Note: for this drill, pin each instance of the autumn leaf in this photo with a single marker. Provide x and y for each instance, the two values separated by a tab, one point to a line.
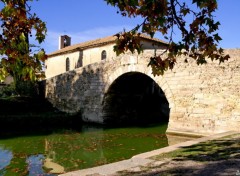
17	24
199	35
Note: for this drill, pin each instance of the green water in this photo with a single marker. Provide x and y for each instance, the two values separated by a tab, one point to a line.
79	149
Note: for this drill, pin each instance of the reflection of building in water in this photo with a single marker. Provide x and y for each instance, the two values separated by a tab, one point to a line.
51	156
96	145
75	151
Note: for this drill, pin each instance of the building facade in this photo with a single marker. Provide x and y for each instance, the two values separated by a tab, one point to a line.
70	57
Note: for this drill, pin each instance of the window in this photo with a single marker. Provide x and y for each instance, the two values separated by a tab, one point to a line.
67	64
80	60
104	55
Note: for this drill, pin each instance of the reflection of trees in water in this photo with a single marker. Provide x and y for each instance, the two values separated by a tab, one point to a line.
17	165
22	156
92	146
20	163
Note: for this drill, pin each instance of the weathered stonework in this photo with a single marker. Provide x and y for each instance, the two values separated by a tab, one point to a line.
202	98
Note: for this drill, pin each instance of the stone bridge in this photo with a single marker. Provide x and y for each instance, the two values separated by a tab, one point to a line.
194	98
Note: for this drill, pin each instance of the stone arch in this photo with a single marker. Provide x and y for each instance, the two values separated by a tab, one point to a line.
135	98
142	68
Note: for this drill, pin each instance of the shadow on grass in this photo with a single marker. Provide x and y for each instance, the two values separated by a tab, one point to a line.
217	157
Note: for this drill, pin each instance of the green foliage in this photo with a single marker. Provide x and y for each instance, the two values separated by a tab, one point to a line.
199	37
27	88
7	91
17	24
23	88
127	41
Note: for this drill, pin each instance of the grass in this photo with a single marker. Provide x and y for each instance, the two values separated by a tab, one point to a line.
206	158
215	150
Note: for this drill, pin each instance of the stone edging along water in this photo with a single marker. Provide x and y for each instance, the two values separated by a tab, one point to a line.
141	159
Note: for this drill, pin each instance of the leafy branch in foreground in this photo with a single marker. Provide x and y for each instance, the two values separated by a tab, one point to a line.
17	57
199	35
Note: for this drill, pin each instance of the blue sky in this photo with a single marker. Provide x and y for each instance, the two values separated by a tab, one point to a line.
84	20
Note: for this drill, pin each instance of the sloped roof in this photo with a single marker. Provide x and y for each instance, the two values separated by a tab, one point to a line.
96	43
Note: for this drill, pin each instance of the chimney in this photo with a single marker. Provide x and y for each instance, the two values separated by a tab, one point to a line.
64	41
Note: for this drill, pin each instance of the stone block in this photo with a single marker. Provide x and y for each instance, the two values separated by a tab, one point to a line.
128	59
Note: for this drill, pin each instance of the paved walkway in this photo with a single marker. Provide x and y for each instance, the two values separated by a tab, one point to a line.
135	165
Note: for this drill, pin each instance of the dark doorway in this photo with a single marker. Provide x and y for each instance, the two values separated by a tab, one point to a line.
135	98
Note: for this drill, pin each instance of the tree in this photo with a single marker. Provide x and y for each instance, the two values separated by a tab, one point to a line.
17	57
199	35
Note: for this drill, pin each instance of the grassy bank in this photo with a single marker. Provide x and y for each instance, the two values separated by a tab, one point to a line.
25	113
213	157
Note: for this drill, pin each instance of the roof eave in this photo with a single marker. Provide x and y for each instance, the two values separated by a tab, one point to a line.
152	40
79	49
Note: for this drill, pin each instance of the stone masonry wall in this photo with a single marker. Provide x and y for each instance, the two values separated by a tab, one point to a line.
206	97
203	98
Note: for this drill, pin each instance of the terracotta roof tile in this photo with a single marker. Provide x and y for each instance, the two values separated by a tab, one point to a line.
96	43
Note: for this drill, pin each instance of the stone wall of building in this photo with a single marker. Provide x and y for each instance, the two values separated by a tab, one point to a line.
206	97
57	65
202	99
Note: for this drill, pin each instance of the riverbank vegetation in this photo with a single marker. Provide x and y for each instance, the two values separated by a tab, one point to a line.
26	113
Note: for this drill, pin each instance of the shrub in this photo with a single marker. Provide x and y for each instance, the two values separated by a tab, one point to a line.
8	90
26	88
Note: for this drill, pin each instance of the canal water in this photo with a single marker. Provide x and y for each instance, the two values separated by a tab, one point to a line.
69	150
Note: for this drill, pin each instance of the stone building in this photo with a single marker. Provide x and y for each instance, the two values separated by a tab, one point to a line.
70	57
